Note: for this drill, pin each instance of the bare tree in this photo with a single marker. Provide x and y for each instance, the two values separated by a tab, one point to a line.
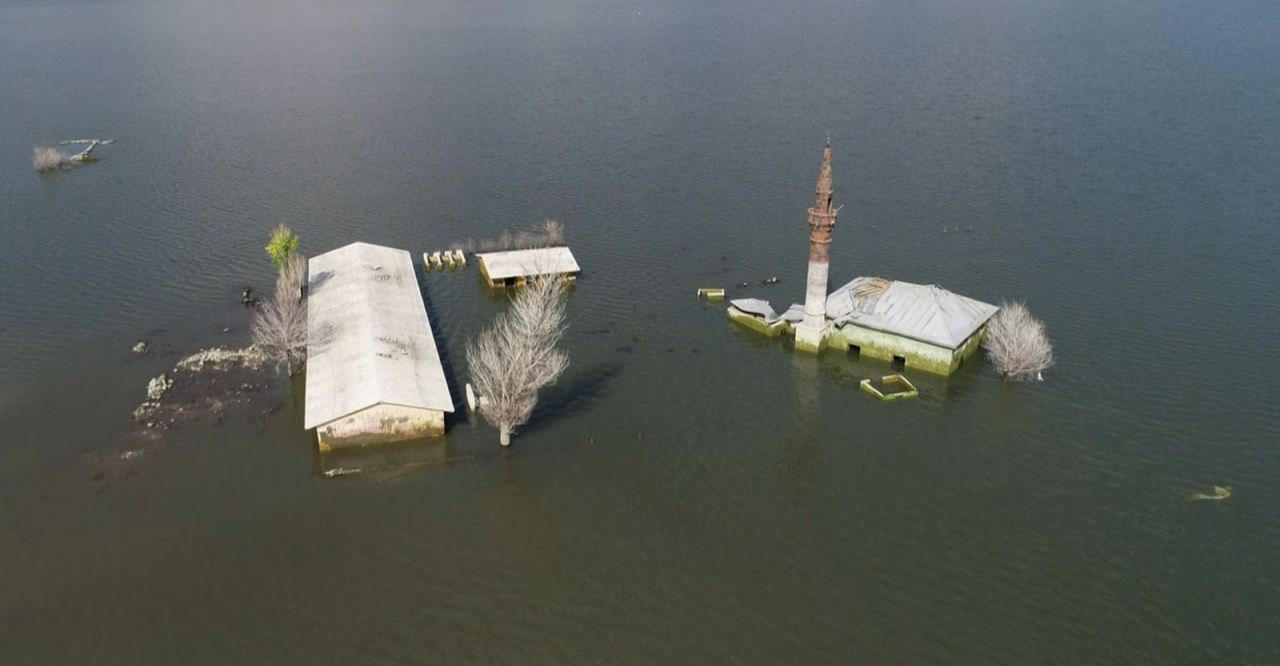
1016	343
516	356
548	234
279	327
553	231
45	159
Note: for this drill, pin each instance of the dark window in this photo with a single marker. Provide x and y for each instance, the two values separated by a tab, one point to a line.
899	363
854	351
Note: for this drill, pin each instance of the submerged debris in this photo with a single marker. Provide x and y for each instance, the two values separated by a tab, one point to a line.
48	159
140	347
1219	493
157	387
711	294
220	358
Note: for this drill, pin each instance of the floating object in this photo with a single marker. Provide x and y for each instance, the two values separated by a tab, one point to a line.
744	285
434	261
514	267
770	280
460	258
447	258
890	387
711	295
474	401
1219	493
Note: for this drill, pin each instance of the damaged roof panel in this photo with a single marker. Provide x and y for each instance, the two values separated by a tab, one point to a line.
927	313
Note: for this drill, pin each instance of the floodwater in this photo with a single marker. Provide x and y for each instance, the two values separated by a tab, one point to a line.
689	492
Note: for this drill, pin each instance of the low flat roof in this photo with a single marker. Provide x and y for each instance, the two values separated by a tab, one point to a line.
927	313
528	263
369	340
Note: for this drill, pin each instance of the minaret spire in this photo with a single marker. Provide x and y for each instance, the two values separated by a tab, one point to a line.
822	221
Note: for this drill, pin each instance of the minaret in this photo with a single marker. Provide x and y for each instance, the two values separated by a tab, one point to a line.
822	220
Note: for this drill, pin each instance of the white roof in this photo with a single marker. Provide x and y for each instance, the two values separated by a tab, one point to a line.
368	337
927	313
757	307
526	263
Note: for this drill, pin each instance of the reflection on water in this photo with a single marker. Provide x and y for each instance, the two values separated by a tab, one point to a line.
384	462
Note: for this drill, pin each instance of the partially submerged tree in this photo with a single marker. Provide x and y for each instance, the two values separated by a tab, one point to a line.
46	159
282	246
1016	343
279	327
516	356
548	234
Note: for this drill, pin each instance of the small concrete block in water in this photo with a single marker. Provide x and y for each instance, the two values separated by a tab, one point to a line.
711	295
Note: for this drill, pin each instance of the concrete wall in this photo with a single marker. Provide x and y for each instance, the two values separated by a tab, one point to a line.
379	424
757	324
884	346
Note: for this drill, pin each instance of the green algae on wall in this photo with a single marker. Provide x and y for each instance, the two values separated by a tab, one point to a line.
757	324
917	355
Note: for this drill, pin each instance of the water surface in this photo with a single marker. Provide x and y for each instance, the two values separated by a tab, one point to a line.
688	493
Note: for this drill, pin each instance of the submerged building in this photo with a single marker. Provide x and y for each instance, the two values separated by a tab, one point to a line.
923	327
373	371
514	267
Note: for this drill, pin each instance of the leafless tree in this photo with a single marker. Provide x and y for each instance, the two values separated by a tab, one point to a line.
279	327
516	356
553	231
548	234
1016	343
45	159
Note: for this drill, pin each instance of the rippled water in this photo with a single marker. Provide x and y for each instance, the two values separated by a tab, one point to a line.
688	493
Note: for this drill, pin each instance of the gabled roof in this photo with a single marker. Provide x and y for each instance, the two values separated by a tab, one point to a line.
927	313
368	337
528	263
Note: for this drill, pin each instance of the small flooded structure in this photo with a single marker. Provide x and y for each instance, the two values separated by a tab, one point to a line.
922	327
890	387
373	371
758	315
513	267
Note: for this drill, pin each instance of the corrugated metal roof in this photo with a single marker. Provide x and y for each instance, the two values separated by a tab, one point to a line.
527	263
927	313
368	337
757	307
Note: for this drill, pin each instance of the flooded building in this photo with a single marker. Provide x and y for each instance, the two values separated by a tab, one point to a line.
920	327
373	371
513	267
